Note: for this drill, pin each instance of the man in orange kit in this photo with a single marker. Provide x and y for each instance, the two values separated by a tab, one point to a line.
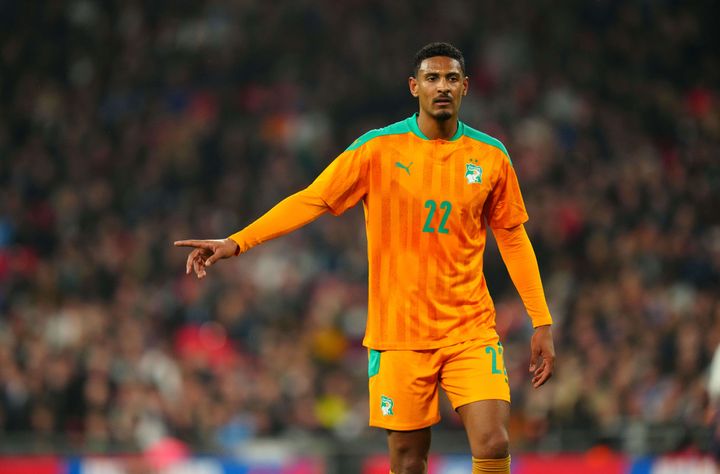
430	186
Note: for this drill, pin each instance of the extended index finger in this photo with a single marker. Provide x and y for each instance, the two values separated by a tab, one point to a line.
200	244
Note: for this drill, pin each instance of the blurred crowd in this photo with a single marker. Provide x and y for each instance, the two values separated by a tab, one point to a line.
125	125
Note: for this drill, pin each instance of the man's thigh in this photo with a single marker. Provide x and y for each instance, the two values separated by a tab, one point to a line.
403	388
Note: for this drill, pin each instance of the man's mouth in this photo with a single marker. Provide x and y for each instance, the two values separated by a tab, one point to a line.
442	101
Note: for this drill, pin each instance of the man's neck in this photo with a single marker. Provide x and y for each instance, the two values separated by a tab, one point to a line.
437	129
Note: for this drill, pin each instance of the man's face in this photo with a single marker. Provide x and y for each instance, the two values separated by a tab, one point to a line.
439	86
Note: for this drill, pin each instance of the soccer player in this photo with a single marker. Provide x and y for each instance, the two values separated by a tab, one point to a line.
430	185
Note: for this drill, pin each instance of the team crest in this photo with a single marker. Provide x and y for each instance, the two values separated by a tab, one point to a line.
473	173
386	405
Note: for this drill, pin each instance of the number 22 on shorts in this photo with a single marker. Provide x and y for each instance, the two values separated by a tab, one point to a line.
494	353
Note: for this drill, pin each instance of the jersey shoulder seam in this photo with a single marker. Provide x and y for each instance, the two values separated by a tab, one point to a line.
397	128
477	135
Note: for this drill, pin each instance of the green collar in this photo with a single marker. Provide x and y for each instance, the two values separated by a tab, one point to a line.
412	124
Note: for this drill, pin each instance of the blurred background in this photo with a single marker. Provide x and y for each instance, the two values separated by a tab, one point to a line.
125	125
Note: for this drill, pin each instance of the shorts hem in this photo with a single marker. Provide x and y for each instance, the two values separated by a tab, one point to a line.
480	400
404	427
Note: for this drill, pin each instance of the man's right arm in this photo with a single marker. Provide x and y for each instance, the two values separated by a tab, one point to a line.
289	214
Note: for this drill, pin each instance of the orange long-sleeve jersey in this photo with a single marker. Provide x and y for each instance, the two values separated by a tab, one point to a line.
427	204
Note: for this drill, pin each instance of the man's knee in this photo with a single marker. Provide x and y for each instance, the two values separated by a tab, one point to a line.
491	444
408	458
408	455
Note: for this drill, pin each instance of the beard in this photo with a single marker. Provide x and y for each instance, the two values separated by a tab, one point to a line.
442	115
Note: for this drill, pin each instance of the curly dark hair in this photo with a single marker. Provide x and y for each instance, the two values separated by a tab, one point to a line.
438	49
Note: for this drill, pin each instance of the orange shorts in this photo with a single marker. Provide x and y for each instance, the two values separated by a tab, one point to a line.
404	384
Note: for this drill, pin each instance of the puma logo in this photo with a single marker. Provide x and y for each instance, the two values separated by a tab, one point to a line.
406	168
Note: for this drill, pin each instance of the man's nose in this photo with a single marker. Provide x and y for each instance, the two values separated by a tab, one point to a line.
443	85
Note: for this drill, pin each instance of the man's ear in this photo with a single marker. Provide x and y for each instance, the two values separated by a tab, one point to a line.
413	84
466	85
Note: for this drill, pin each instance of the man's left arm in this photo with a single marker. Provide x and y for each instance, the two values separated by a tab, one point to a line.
519	257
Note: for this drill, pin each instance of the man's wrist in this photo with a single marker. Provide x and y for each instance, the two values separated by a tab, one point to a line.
236	250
